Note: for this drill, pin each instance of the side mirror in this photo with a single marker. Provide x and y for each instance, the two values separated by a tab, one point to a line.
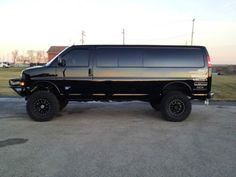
61	62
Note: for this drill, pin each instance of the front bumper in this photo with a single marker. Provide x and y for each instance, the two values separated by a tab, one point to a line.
18	86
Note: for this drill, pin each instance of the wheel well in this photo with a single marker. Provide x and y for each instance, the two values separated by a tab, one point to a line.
46	86
179	86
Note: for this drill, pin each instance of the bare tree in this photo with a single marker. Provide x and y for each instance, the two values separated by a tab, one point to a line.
30	54
45	57
23	59
40	56
15	54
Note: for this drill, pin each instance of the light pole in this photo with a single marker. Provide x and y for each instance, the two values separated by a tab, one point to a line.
123	32
192	31
82	37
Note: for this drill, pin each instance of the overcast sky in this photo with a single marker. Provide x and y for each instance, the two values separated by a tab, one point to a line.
38	24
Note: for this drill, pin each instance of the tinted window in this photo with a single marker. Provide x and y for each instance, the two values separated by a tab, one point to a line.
119	57
173	57
107	57
53	62
129	57
77	57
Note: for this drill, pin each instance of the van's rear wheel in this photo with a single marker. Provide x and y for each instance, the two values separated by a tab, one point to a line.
175	106
42	106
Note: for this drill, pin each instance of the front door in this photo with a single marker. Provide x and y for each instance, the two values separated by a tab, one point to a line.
75	75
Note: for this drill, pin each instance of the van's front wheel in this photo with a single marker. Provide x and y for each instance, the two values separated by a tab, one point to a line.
175	106
155	105
42	106
63	103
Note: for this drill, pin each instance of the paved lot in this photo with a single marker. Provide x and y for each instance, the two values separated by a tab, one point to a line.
117	139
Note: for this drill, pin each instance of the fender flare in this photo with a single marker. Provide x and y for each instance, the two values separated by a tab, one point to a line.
36	85
177	83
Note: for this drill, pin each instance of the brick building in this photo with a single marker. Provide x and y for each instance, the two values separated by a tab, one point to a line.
54	50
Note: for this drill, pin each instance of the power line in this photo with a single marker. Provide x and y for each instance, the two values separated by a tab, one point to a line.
158	39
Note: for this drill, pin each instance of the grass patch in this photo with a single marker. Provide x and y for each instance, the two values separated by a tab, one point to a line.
224	86
5	75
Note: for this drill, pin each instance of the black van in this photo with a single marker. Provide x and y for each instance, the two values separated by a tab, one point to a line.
167	77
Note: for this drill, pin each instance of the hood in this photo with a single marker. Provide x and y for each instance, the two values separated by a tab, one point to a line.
39	71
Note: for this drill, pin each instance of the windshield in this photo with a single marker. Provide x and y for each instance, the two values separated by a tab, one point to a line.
52	60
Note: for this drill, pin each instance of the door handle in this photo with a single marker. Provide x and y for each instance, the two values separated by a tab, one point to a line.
90	72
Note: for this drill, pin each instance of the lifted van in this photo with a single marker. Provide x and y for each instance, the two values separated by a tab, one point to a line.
167	77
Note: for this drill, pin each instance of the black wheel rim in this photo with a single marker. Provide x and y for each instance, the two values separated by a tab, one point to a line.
42	106
176	107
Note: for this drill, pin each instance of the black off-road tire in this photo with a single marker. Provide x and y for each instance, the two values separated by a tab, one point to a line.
175	106
155	105
42	106
63	103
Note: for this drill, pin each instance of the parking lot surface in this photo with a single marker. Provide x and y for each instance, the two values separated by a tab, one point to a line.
117	139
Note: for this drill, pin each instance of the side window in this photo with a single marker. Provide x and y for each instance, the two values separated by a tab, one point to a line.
150	57
77	57
173	57
130	57
119	57
54	63
107	57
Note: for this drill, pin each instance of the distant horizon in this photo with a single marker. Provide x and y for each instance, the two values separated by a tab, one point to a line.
37	25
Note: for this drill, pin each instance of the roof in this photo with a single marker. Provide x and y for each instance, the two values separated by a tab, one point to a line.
184	46
56	49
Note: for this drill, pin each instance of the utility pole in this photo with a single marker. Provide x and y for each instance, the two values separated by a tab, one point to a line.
123	32
82	37
192	31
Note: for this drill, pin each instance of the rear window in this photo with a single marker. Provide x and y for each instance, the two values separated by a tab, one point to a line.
173	57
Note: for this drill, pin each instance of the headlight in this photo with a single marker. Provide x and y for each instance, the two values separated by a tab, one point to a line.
22	83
